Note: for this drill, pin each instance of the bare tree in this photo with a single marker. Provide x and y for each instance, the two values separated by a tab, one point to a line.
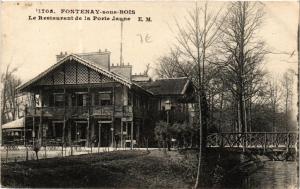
274	97
195	39
9	107
242	54
287	84
168	65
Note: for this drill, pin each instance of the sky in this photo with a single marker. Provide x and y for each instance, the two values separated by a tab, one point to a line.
31	45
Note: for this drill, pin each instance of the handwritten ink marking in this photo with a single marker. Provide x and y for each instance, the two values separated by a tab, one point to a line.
148	38
145	38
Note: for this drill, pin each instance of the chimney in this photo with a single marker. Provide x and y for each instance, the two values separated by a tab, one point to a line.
60	56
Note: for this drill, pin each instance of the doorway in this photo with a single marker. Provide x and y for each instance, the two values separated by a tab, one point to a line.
103	132
57	130
79	134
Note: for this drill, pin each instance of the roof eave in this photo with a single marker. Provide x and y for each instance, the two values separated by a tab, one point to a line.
111	75
185	87
140	87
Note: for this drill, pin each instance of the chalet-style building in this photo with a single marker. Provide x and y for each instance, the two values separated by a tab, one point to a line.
83	99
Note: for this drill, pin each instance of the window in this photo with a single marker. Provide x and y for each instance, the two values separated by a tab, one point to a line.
105	98
57	129
59	99
37	100
82	99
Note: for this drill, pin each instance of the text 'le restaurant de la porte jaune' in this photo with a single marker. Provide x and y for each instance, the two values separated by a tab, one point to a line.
86	14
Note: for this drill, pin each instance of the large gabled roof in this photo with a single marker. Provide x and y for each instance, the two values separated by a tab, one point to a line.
169	86
83	61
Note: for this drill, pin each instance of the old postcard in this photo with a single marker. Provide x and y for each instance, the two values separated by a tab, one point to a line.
149	94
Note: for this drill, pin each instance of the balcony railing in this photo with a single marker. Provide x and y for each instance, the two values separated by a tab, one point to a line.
77	111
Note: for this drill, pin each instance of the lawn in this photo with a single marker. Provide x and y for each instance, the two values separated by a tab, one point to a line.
126	169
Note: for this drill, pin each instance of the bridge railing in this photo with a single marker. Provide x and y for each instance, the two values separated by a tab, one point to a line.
253	140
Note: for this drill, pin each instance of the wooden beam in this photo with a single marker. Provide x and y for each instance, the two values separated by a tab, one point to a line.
82	86
76	70
99	136
69	133
92	129
34	103
24	124
33	130
40	133
89	75
121	133
52	78
131	138
113	116
64	123
137	138
64	74
88	132
89	114
104	122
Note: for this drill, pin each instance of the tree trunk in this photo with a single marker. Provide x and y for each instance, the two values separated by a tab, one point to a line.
241	113
200	141
221	112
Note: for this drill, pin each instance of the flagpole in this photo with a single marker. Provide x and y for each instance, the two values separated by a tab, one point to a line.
121	45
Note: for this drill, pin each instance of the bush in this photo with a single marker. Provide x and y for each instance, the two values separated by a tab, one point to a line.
182	132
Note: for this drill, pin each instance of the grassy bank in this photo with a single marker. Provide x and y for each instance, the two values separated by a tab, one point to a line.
136	169
130	169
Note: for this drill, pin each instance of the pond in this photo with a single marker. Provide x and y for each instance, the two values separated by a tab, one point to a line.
274	174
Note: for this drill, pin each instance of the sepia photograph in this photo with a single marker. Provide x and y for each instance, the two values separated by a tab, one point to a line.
149	94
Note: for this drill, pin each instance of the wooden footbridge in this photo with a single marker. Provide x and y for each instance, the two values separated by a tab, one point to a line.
254	140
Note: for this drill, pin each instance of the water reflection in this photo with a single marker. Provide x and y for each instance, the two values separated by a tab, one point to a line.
274	174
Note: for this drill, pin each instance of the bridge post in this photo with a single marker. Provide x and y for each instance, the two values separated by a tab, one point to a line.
222	138
244	141
250	140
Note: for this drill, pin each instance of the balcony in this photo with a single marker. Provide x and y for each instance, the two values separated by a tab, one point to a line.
81	111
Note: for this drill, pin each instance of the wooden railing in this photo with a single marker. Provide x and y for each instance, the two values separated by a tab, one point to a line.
73	111
253	140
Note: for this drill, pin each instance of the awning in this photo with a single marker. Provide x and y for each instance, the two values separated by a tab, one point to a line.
14	124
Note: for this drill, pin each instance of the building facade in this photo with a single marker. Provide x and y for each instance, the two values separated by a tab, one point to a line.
85	100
